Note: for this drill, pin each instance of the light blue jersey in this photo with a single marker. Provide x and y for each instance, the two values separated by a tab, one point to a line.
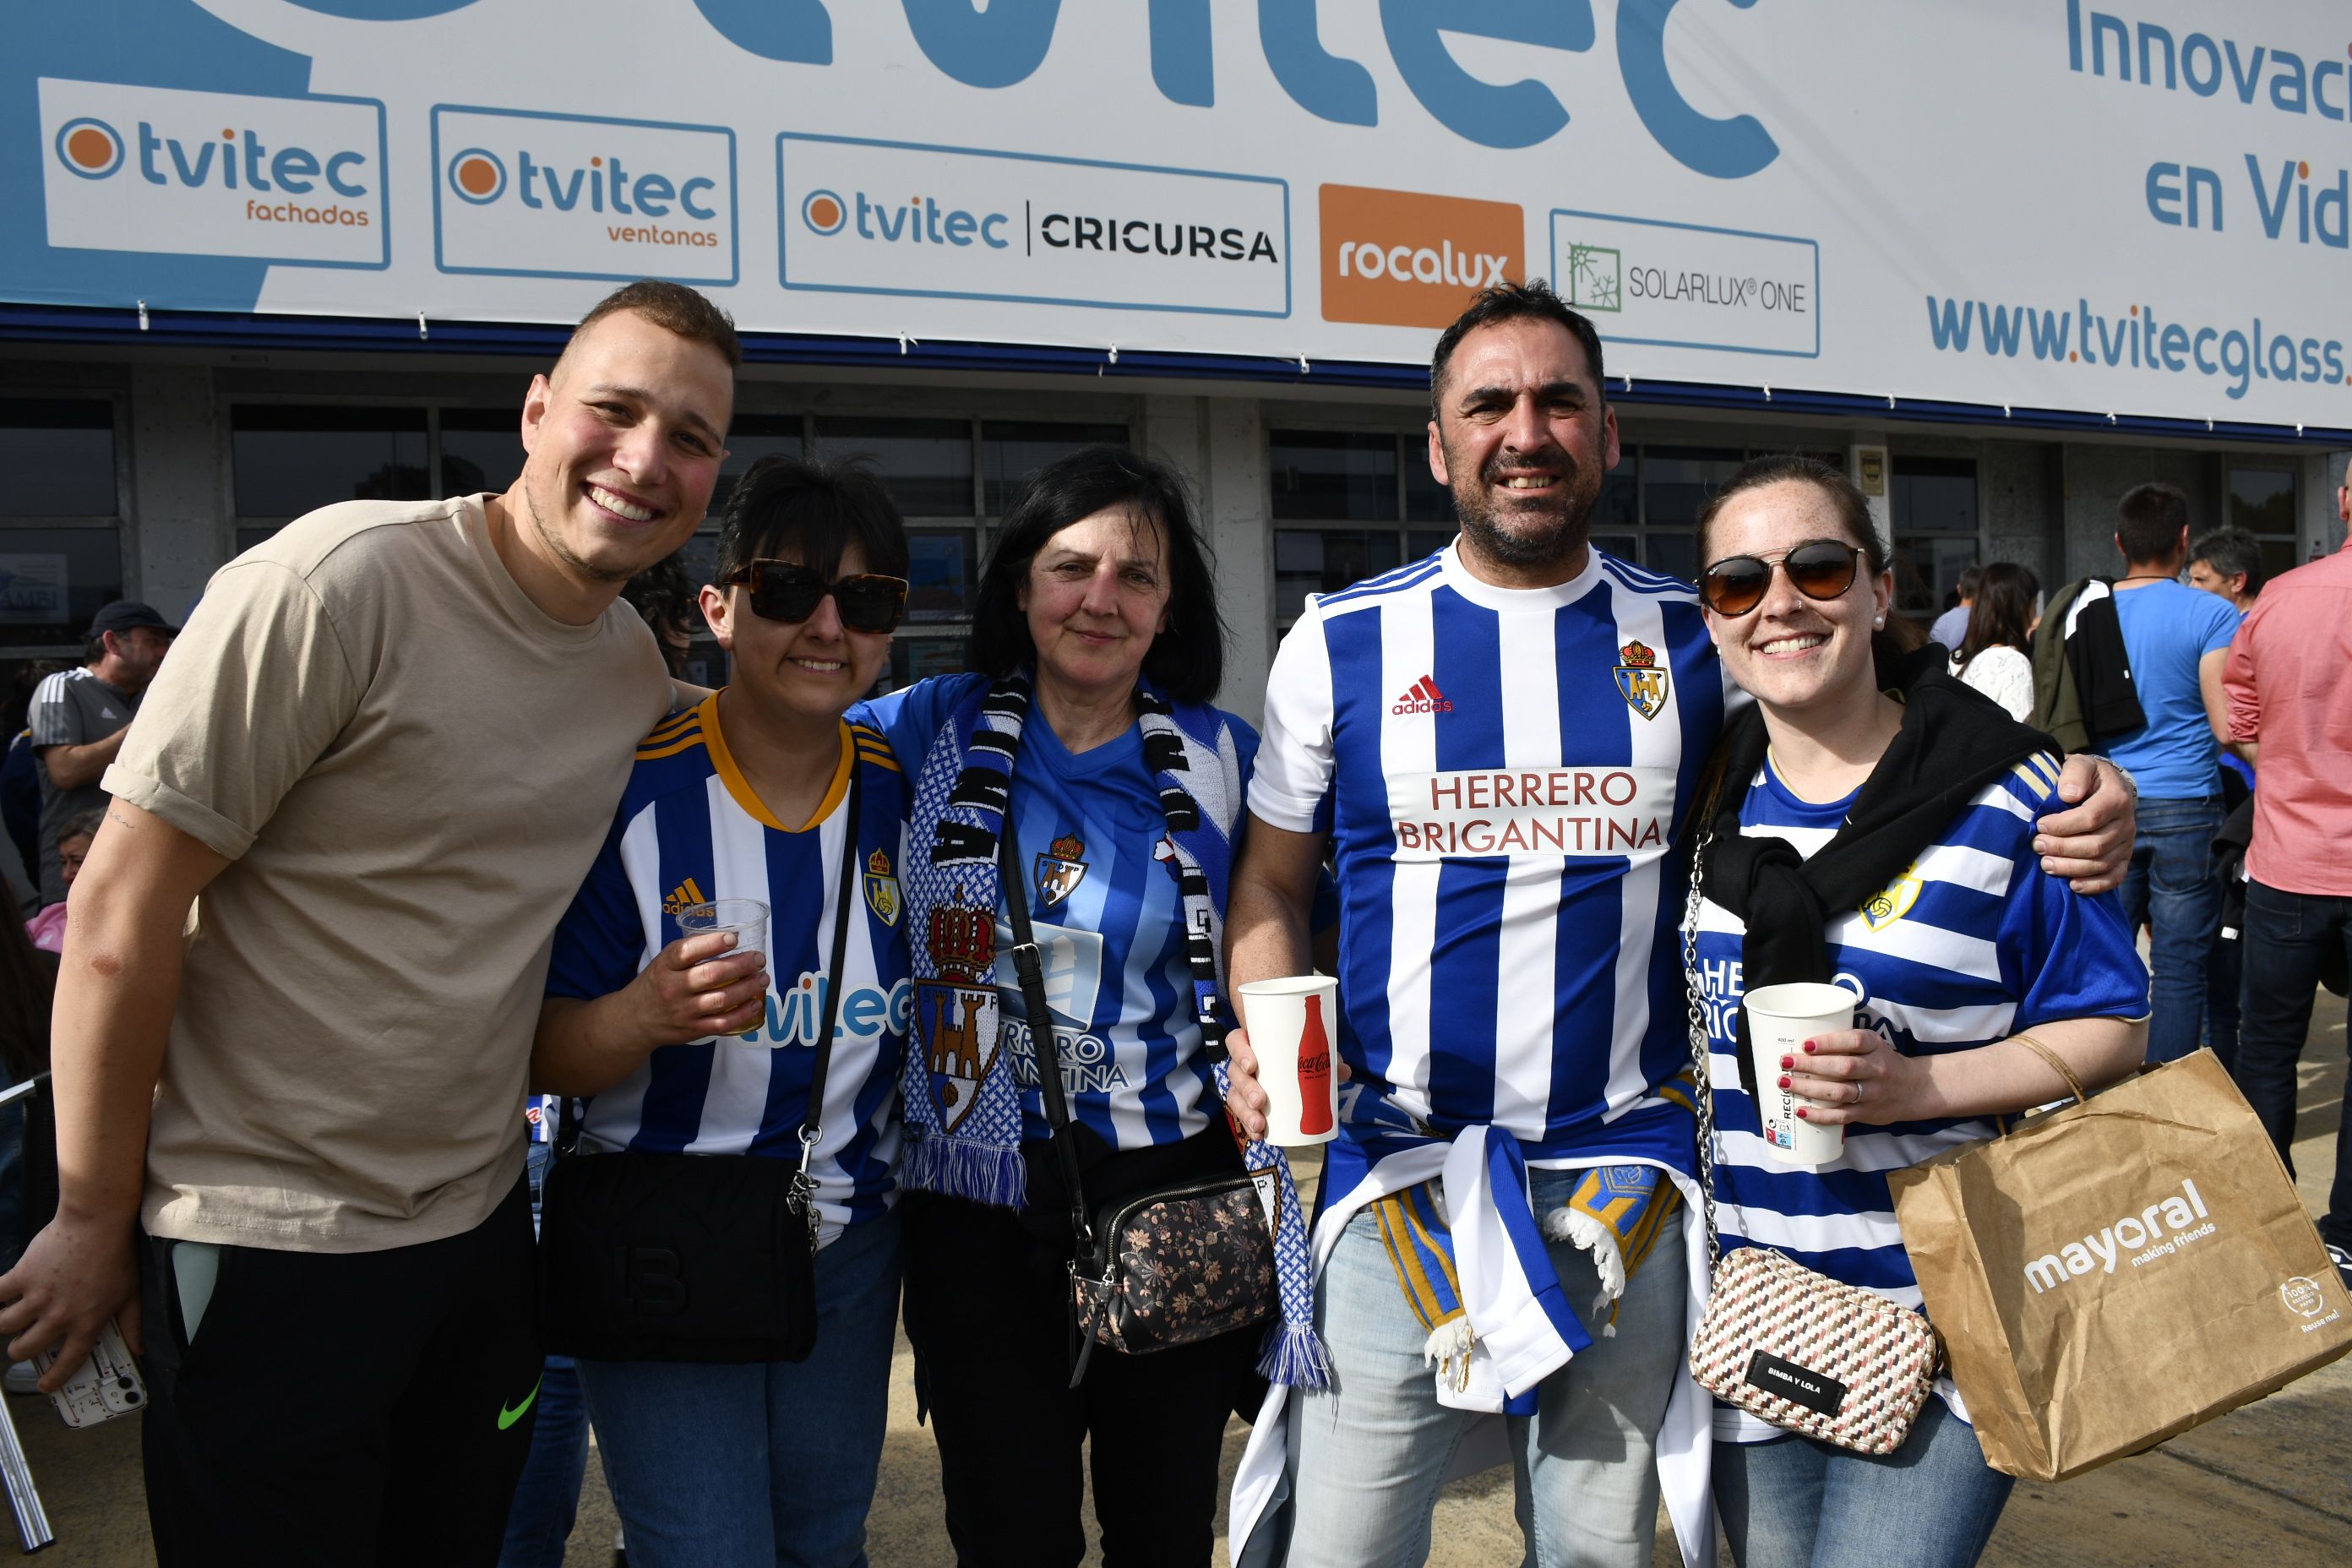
690	830
1971	945
1108	920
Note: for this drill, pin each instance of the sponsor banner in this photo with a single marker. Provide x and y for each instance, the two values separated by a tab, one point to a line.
2155	222
163	170
559	196
1399	259
1682	285
1580	811
885	217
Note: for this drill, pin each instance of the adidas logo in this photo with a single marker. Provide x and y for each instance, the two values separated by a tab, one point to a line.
684	896
1422	697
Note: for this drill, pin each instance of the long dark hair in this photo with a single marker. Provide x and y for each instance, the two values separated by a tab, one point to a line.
2006	594
1187	661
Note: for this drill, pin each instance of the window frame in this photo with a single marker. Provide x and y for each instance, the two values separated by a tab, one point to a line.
126	537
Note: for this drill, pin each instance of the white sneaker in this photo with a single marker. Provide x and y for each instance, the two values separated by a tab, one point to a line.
23	1377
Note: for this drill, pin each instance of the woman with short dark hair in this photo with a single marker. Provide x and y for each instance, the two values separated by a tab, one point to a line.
1086	733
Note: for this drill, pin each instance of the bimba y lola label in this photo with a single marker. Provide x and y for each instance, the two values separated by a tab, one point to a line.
1797	1384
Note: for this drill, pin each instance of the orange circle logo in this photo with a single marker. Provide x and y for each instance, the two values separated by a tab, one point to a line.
90	148
823	212
477	176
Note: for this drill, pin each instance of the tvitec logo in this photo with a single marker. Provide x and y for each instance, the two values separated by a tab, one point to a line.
291	180
957	223
559	196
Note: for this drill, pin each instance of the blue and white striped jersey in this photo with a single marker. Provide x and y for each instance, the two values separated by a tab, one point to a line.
1501	772
689	830
1970	946
1108	920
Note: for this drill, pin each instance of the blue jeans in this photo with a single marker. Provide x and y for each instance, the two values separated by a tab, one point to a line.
760	1462
2286	933
1369	1454
1796	1503
2170	886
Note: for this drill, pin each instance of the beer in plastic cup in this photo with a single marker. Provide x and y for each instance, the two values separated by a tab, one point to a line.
1780	1019
1291	1024
747	918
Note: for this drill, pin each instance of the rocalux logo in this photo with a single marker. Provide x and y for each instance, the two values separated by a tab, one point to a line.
2155	1232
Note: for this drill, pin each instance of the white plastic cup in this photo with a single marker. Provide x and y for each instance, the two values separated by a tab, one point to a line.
1780	1019
1294	1028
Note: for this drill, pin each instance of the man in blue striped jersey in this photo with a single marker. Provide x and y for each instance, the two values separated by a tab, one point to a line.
1499	745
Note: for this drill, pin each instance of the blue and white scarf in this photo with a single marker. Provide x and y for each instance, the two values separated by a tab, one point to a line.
963	1121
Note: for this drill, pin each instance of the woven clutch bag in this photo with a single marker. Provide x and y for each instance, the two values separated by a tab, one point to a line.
1804	1352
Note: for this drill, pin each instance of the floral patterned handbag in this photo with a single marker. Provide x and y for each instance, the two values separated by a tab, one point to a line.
1167	1266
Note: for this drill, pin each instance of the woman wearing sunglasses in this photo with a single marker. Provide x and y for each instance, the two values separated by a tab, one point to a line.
760	792
1871	823
1097	645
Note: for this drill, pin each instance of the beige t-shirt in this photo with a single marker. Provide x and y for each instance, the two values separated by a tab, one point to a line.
410	766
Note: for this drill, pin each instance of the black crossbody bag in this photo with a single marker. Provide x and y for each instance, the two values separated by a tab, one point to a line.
691	1258
1170	1265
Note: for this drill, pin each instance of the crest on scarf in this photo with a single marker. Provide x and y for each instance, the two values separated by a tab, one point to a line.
1059	870
882	889
1883	909
1639	681
957	1011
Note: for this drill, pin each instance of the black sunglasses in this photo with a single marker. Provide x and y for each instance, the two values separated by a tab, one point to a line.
787	591
1821	569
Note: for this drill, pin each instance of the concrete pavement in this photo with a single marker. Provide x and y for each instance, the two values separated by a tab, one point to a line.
2271	1484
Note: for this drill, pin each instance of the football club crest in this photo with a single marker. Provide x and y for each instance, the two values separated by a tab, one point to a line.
1881	909
1059	870
1639	681
959	1021
882	889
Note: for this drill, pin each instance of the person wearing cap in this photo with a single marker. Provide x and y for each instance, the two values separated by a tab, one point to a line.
79	716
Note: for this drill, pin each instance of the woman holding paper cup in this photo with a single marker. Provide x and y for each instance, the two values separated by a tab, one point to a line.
1877	930
729	992
1088	733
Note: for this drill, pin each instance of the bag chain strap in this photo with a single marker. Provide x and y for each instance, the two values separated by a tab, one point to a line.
802	1196
1701	1087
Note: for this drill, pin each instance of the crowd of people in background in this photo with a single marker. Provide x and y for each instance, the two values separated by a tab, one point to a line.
442	958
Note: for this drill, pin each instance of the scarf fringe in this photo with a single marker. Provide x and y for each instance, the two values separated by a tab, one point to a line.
1293	1357
961	1168
1574	1225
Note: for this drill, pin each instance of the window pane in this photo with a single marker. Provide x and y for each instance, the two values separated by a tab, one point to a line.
58	456
925	463
1331	474
751	438
1617	505
1676	480
481	449
294	458
53	580
1425	501
1324	560
1927	569
1010	451
939	574
2262	500
2278	555
1420	544
1936	495
916	659
700	558
1675	553
1624	546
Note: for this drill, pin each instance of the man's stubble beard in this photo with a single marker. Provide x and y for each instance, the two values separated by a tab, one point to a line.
564	554
1525	551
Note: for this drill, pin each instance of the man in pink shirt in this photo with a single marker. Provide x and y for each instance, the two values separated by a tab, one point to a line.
2290	706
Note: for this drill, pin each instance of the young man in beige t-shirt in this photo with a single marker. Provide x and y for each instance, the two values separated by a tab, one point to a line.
384	751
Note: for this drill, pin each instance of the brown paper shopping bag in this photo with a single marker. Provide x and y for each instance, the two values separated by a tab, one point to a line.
2112	1274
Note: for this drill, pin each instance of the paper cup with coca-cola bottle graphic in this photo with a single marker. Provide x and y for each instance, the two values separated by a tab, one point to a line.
1292	1024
